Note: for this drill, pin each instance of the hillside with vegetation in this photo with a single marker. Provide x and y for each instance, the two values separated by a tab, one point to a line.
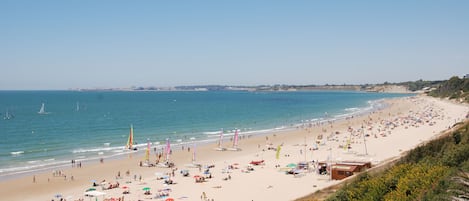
420	84
437	170
454	88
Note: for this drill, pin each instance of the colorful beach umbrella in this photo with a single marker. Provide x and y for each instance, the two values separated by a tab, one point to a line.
291	165
90	189
169	199
146	189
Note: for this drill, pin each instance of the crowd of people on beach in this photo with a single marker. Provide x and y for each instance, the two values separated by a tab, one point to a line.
376	126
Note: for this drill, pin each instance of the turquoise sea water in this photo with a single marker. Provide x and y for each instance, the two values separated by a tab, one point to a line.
89	125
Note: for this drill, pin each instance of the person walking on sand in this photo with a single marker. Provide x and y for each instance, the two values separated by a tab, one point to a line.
34	178
204	196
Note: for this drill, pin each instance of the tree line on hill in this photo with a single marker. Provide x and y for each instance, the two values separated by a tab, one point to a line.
454	88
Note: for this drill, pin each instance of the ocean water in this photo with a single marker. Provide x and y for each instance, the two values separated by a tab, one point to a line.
95	124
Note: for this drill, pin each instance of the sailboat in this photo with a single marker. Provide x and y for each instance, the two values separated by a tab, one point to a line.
147	155
194	164
42	110
220	142
8	116
167	153
78	107
235	143
130	140
168	150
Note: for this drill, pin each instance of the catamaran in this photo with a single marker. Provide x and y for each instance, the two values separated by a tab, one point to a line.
130	140
194	164
42	110
235	143
8	116
220	142
167	153
147	162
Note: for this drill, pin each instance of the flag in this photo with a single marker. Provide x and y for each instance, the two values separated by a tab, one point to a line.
277	155
147	152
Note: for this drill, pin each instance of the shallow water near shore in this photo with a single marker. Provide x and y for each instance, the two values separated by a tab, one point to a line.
91	125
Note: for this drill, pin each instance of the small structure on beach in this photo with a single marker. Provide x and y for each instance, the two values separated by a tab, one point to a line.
345	169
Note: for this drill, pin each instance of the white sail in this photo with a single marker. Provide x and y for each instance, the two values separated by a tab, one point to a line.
220	142
235	142
8	116
42	110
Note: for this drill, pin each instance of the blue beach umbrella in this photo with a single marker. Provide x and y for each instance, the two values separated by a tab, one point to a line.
291	165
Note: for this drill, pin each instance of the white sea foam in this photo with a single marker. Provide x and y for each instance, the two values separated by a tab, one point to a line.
16	153
33	166
212	133
352	109
100	149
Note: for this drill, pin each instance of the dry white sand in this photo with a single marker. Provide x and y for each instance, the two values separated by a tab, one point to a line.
400	127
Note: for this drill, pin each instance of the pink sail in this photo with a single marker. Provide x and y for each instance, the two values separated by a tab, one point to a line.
235	141
168	149
221	138
193	153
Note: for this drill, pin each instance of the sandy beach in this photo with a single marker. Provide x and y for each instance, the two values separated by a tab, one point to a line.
403	125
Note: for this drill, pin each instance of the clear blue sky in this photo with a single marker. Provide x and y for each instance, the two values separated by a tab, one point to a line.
86	44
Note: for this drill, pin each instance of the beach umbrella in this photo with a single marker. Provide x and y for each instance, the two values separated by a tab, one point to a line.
124	187
90	189
58	195
146	189
196	176
169	199
291	165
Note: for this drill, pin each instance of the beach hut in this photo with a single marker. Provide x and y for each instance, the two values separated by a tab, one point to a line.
340	172
345	169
